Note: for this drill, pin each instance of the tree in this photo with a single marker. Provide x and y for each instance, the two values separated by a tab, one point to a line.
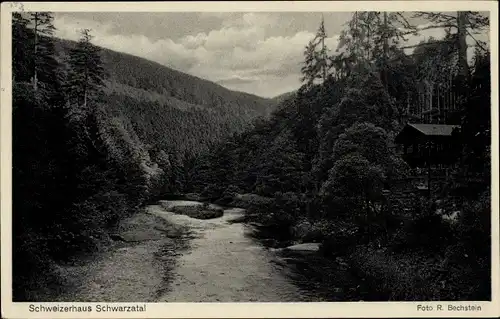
22	63
316	64
372	143
365	100
371	38
365	139
310	68
323	53
34	56
281	167
435	75
464	24
86	74
43	30
476	122
177	176
354	187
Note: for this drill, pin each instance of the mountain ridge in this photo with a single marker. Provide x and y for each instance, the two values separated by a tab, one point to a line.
69	43
169	108
284	96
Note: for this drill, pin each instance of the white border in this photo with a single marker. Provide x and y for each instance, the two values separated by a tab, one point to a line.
240	310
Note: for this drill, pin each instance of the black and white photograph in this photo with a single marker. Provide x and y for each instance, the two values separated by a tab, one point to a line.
320	156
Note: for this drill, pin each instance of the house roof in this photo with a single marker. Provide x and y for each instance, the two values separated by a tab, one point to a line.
434	129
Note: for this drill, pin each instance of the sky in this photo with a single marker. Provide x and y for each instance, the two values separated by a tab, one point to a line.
254	52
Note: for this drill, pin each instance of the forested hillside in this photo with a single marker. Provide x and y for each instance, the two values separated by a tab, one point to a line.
325	167
96	134
164	105
283	97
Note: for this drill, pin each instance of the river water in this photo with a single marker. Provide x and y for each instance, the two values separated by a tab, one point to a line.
168	257
224	264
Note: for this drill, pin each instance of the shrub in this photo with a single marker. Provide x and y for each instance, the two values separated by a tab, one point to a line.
114	207
254	203
340	239
353	185
469	256
426	233
408	277
228	195
312	230
213	191
30	258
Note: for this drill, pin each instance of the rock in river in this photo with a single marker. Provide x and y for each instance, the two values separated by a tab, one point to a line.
306	247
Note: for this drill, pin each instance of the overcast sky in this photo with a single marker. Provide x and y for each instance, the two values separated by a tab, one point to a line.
258	53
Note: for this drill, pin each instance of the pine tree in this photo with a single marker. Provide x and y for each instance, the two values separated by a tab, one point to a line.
353	41
281	168
22	64
34	57
323	52
309	70
86	74
465	24
448	70
43	30
316	63
372	39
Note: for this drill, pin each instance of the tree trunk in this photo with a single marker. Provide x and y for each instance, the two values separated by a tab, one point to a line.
35	75
462	55
429	174
439	103
386	52
431	86
462	45
85	88
453	99
323	51
85	99
422	101
450	88
407	105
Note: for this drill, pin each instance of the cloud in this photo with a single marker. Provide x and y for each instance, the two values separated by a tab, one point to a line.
251	19
259	53
236	80
238	53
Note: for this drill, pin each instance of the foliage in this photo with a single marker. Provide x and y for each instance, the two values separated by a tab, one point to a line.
316	64
282	172
85	78
372	143
22	60
397	277
330	172
198	211
229	194
73	176
354	186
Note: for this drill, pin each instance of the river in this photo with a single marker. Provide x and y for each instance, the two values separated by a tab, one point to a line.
224	264
203	261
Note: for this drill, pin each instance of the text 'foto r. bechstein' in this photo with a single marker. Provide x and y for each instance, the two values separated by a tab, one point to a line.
251	157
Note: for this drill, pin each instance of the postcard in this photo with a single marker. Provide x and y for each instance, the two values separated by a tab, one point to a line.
271	159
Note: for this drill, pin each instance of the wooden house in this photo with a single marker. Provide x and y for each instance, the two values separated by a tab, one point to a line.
429	144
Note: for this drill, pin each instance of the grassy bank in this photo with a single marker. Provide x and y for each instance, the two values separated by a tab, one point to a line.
147	244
